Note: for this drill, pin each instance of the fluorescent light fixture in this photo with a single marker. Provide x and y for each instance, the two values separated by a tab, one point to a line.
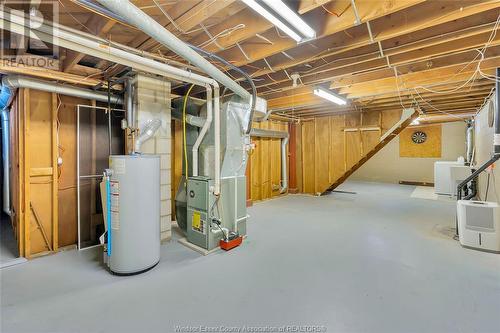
277	22
329	95
416	122
291	17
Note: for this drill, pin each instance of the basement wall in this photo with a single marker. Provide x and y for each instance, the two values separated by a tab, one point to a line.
264	165
327	147
483	152
387	165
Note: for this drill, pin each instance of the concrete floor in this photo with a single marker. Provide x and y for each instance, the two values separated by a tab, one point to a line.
376	261
8	244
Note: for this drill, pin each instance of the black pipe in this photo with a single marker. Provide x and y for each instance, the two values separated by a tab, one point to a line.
473	188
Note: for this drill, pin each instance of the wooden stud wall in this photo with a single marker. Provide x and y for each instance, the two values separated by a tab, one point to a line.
265	163
35	169
331	145
43	128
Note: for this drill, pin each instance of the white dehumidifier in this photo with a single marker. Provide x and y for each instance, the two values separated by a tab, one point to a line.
479	225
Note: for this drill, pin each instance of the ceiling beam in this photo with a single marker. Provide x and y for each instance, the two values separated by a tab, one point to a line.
100	26
471	21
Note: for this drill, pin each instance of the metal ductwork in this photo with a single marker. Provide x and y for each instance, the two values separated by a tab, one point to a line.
256	132
470	142
149	26
18	81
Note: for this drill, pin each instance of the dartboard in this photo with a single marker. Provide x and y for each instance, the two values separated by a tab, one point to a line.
419	137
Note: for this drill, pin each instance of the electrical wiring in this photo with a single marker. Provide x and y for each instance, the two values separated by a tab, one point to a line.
223	33
478	67
330	12
438	110
184	134
173	22
74	18
237	69
397	86
328	52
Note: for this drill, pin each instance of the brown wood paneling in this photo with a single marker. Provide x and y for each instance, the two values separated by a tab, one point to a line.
67	195
353	148
308	158
300	161
337	164
322	132
330	146
370	140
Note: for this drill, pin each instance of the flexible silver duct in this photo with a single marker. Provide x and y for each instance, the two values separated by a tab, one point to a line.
6	161
470	142
18	81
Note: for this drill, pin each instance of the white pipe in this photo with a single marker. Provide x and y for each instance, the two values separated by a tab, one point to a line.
217	139
284	176
149	26
18	81
6	161
203	131
84	43
129	105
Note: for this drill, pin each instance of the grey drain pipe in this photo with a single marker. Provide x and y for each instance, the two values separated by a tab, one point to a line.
256	132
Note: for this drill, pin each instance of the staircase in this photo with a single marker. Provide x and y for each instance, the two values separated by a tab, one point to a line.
406	119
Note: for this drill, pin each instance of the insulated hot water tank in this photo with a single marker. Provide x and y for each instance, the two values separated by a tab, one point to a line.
135	213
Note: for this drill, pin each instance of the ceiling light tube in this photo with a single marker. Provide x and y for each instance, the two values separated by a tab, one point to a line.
291	17
273	19
329	95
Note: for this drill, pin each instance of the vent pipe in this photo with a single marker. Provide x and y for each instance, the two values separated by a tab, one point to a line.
149	26
18	81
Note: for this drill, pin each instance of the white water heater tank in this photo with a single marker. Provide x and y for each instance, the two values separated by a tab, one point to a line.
479	224
135	213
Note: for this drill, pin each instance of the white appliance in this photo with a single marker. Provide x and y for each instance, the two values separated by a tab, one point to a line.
134	213
479	225
443	183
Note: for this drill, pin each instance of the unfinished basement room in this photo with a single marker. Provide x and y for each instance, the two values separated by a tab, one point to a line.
250	166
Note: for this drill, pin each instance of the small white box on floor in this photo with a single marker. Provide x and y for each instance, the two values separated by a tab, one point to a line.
443	183
479	224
